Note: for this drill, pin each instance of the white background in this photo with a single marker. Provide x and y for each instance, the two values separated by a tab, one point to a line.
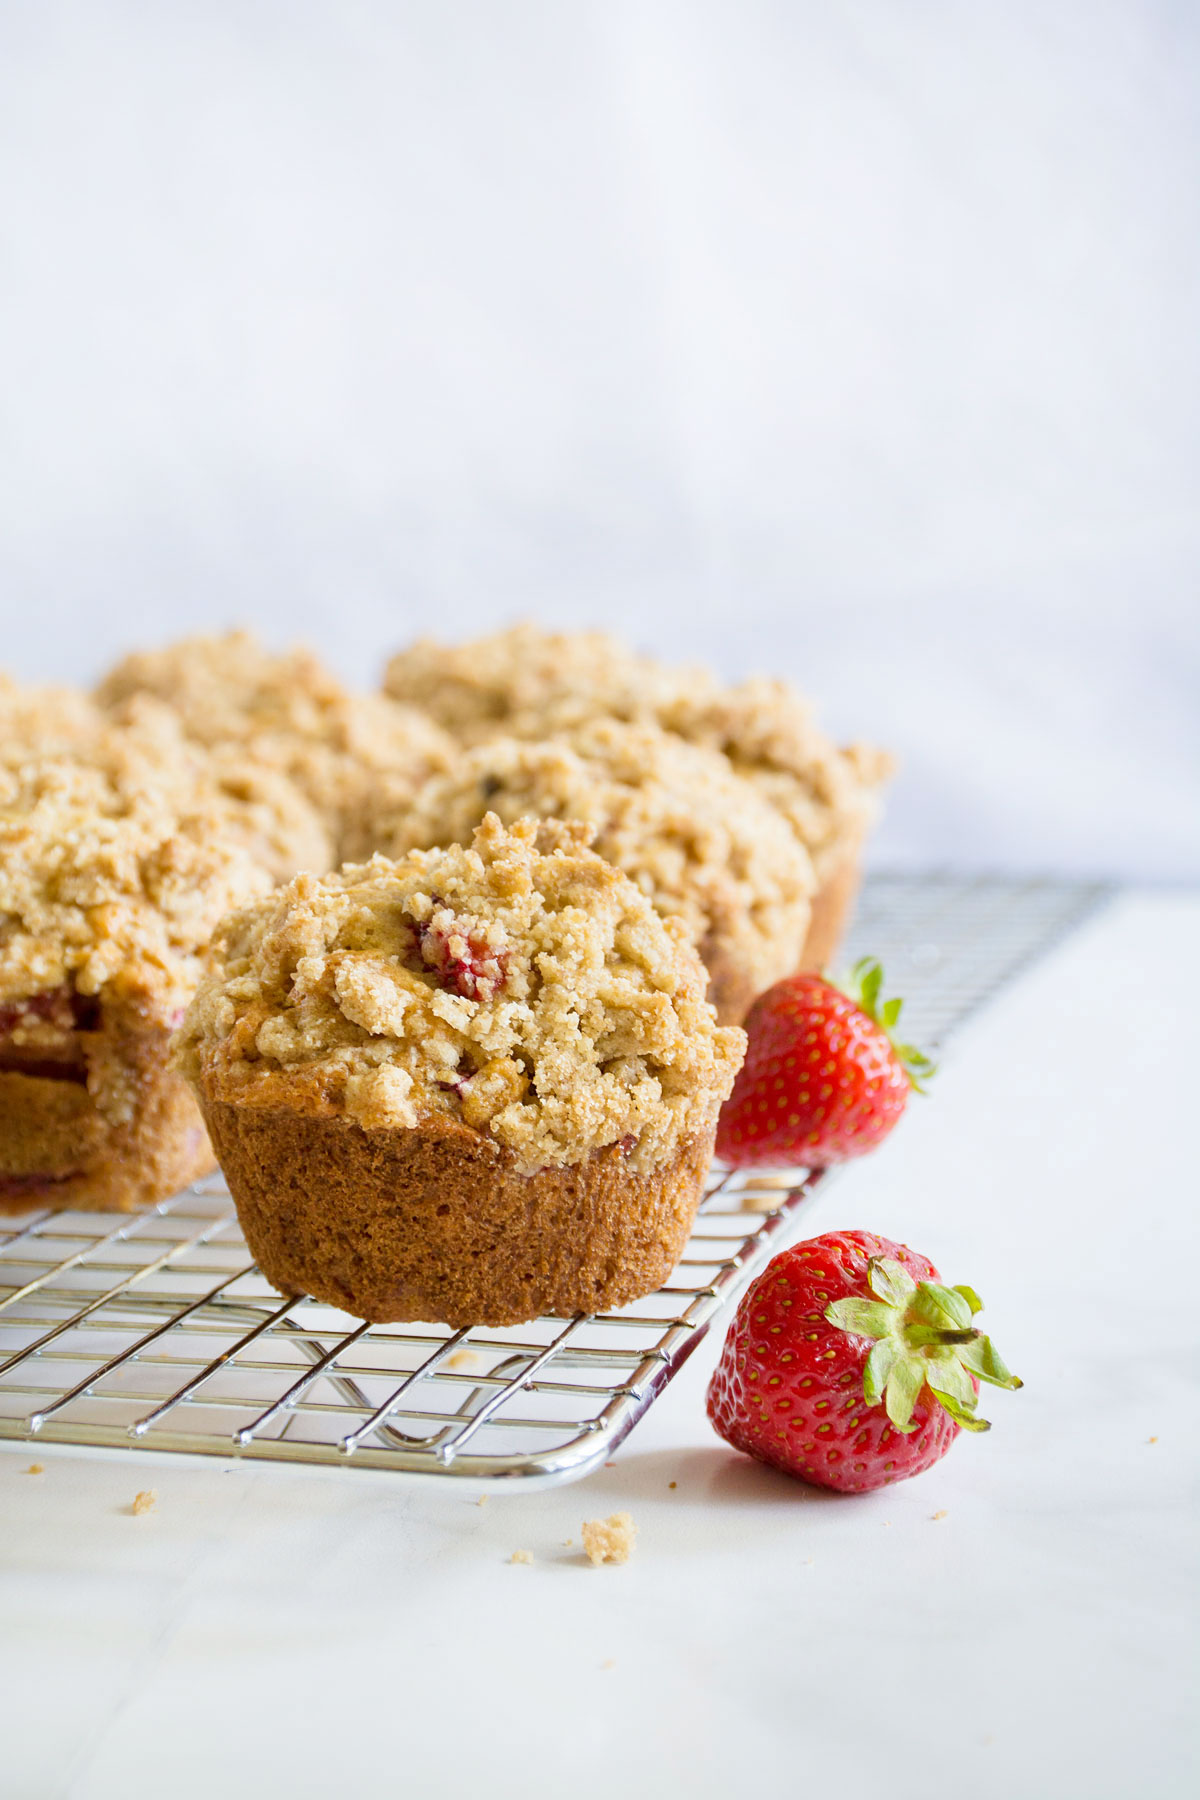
856	341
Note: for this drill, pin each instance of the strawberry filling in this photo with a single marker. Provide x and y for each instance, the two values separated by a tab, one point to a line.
459	957
32	1187
39	1034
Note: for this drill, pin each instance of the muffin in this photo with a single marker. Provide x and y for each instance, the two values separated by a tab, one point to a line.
698	840
472	1085
285	713
530	683
113	872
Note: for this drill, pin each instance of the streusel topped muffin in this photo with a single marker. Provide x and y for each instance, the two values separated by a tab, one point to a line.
113	872
697	839
520	984
286	712
530	683
472	1084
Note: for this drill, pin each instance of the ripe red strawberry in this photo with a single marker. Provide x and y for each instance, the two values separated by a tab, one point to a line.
849	1365
823	1078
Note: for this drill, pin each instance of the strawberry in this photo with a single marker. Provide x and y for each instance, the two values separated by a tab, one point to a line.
849	1365
823	1077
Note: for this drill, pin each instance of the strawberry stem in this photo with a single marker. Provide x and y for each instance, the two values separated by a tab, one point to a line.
863	985
924	1339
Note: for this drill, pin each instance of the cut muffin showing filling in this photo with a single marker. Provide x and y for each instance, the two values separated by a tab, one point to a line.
697	839
112	874
472	1084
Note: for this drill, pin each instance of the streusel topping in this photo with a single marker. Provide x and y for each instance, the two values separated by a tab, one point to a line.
697	839
528	683
286	712
114	869
522	985
45	720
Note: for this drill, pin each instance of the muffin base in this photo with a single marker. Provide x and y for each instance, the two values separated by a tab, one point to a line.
435	1224
832	906
66	1141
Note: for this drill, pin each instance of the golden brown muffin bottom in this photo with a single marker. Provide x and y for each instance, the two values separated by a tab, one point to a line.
60	1146
832	905
435	1224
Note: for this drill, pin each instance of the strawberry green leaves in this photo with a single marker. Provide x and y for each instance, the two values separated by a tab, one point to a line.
925	1338
863	985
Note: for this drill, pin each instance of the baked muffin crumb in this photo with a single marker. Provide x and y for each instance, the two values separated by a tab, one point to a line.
609	1540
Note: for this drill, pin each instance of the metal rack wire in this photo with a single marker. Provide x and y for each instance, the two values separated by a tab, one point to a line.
156	1331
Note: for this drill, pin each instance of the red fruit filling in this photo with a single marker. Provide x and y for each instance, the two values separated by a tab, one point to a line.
458	956
32	1187
39	1034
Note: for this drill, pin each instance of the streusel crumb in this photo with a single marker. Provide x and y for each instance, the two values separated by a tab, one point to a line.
144	1502
529	683
521	1556
697	839
522	985
284	711
609	1540
114	869
44	721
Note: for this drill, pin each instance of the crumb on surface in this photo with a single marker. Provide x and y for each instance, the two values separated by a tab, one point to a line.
940	1515
521	1556
672	1484
609	1540
1152	1440
610	1664
145	1502
567	1542
482	1500
36	1469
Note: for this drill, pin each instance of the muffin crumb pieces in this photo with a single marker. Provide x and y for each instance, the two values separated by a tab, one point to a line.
672	1484
482	1500
145	1502
521	1556
940	1515
36	1469
609	1540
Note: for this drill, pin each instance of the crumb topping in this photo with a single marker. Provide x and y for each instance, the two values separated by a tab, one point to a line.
609	1540
521	985
48	720
528	683
698	840
113	872
285	712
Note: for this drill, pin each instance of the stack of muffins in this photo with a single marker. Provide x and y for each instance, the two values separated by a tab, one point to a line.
465	1063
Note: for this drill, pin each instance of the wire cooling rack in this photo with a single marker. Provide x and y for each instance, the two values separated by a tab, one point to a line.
156	1331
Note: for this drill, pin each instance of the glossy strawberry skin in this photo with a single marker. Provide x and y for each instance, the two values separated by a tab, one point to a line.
821	1081
788	1388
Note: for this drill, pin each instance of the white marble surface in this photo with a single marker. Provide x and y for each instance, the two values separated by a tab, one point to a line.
272	1632
833	338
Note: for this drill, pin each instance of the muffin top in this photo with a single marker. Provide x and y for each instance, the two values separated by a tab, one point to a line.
47	720
521	985
698	840
290	714
114	867
529	683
